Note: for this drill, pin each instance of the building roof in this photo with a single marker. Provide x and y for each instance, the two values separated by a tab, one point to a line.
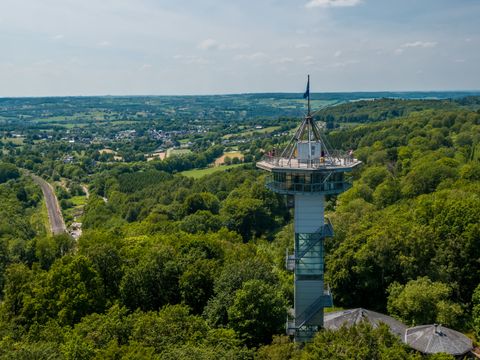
337	319
432	339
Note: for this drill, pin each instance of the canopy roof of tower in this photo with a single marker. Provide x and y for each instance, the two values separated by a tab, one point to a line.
432	339
308	150
337	319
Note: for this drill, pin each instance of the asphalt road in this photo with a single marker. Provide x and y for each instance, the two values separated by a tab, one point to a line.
54	214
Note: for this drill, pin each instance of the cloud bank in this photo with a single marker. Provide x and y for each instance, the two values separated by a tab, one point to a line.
332	3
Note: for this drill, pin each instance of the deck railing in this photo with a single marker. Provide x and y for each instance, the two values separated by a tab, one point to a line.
334	159
329	187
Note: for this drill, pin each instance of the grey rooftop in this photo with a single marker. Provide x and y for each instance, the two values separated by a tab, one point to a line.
432	339
337	319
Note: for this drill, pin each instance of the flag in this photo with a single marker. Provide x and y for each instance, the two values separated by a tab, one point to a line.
307	92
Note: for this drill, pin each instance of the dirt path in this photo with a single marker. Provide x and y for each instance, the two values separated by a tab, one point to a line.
54	214
85	190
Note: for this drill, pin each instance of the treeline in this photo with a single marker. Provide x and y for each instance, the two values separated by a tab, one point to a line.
164	278
20	220
124	279
170	267
234	199
190	161
408	236
47	161
366	111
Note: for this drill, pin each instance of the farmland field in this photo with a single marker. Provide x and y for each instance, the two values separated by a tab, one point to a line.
13	140
176	152
231	155
198	173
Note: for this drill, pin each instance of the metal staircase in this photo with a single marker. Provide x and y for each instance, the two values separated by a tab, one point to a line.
300	324
325	231
322	302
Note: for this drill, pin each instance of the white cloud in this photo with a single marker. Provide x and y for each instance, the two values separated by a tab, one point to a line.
208	44
212	44
145	67
251	57
44	62
233	46
104	43
337	53
74	61
415	44
141	31
283	60
332	3
344	63
422	44
302	46
308	60
191	59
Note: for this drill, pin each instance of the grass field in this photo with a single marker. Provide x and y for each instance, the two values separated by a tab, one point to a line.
75	212
266	130
231	154
198	173
39	220
78	200
173	152
251	132
13	140
349	124
107	151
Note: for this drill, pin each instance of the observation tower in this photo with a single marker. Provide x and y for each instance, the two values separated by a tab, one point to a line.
307	169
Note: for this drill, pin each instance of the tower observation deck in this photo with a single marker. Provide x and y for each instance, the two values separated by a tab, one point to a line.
308	169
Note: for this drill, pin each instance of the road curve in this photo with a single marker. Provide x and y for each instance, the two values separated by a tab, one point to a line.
54	214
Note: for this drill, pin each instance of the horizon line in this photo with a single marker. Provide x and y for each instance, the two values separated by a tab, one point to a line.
242	93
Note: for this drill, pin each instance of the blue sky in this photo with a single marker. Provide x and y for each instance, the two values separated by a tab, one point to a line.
121	47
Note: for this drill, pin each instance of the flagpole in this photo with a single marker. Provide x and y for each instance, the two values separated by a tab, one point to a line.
309	120
308	82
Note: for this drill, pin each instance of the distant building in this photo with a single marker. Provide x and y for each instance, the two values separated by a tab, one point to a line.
69	159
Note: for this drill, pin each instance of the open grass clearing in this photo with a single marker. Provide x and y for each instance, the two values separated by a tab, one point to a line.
14	140
78	200
251	132
177	152
198	173
230	154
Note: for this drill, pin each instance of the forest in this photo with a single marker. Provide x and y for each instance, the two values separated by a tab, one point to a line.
173	267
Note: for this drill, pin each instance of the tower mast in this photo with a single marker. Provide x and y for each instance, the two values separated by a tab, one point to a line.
308	171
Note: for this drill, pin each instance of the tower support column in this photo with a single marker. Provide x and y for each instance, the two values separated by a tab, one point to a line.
310	295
